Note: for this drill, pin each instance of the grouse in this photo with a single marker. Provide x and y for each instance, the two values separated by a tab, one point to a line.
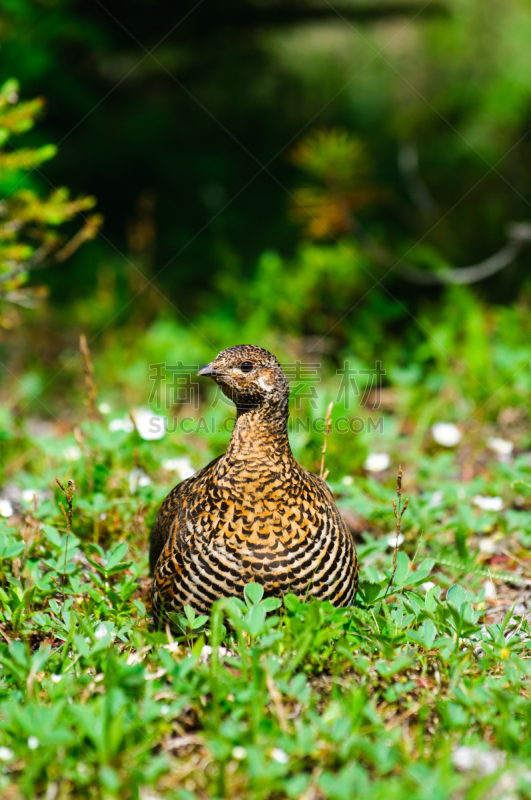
253	514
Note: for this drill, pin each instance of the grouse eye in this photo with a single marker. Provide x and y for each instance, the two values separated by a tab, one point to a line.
246	366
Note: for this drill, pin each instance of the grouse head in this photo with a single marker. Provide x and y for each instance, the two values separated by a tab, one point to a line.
249	376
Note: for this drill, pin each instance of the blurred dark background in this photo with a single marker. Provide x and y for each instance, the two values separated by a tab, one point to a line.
294	171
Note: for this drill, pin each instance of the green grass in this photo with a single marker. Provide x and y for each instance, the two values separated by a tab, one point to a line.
301	700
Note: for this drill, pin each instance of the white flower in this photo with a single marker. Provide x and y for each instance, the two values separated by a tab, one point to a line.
489	589
484	761
124	424
392	539
101	631
377	462
172	647
239	753
56	678
427	585
164	709
502	446
279	755
6	509
488	503
104	408
206	652
446	433
149	425
72	453
436	499
137	477
487	545
348	480
6	754
29	494
33	742
182	466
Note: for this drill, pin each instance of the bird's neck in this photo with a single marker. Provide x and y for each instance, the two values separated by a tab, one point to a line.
261	434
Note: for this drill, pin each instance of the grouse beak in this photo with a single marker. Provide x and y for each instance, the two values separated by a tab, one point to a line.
209	371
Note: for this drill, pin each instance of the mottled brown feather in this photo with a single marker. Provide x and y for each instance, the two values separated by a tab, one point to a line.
253	514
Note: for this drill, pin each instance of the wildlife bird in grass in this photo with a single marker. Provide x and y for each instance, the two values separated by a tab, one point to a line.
253	514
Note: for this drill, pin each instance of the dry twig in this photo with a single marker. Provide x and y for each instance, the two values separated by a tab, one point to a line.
68	515
328	419
89	377
399	513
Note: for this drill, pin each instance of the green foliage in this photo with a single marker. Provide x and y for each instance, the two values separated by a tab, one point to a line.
449	84
268	697
29	223
420	156
337	160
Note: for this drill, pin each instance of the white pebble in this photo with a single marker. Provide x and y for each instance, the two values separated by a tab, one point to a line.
489	589
377	462
488	503
446	433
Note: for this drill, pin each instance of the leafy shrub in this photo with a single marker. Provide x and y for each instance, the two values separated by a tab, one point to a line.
30	223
